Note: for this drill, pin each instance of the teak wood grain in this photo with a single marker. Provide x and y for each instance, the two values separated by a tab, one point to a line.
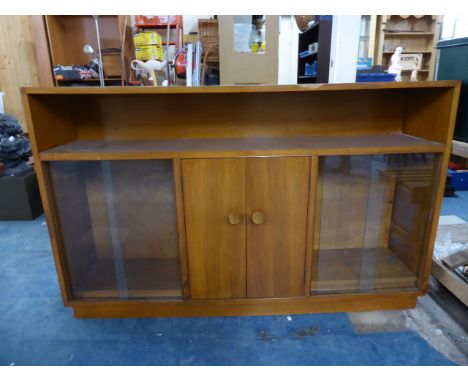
242	307
213	189
235	147
241	124
276	248
177	168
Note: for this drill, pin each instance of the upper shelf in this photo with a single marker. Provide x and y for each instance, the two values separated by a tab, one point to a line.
238	88
221	121
232	147
409	52
387	33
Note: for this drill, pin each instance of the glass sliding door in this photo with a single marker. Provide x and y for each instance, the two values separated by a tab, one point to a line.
373	211
118	223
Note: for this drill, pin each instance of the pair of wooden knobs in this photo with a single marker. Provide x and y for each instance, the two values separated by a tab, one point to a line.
257	218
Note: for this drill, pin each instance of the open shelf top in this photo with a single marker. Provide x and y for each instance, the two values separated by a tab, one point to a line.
102	149
241	88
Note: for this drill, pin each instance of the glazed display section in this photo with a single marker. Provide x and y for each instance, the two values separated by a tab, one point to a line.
238	200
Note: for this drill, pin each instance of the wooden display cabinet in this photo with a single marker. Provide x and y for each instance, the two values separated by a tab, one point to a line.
416	34
290	199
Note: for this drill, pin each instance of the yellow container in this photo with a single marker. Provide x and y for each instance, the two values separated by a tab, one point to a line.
149	52
147	38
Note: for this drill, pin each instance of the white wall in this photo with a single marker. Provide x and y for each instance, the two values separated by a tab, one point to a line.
454	26
288	50
344	48
191	22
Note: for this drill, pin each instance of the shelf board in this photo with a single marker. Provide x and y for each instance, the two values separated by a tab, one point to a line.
146	278
359	269
89	80
409	52
157	27
409	33
249	146
419	70
308	55
313	26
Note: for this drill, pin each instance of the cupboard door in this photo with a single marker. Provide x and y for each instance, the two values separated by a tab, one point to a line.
214	203
277	200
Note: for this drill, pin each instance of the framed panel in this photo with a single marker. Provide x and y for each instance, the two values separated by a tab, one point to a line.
118	226
374	217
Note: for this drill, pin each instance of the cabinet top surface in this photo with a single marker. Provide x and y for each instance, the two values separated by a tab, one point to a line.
239	88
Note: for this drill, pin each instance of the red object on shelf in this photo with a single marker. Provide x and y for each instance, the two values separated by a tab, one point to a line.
181	65
455	166
158	21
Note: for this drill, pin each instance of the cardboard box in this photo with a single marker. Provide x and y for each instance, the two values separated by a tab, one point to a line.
409	60
147	38
112	65
149	52
19	197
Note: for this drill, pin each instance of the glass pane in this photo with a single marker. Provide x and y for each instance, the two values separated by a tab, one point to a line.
249	34
374	212
118	222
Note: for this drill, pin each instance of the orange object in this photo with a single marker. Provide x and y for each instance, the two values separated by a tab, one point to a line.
158	21
181	65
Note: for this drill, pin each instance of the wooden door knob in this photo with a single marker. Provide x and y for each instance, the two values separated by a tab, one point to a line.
258	217
234	218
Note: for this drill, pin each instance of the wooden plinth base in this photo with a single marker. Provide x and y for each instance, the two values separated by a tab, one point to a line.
315	304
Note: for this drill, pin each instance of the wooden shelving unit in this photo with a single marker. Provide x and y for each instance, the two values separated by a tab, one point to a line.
65	37
319	33
415	34
330	204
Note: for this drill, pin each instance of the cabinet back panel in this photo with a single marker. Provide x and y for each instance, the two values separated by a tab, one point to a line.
205	115
242	115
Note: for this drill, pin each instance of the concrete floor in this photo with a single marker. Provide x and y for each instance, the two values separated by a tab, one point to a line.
35	329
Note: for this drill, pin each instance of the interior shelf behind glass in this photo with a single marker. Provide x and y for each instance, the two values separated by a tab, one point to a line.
373	214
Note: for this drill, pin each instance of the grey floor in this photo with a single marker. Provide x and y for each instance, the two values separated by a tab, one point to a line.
35	329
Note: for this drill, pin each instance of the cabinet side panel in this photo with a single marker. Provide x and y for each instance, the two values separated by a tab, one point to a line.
49	123
428	113
432	116
214	189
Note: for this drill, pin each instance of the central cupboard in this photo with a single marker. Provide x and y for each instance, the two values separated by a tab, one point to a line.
312	199
246	223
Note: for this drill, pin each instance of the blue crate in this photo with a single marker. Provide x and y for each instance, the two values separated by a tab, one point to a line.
375	77
459	179
311	69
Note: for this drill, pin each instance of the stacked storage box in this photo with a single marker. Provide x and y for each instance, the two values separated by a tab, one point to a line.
148	46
